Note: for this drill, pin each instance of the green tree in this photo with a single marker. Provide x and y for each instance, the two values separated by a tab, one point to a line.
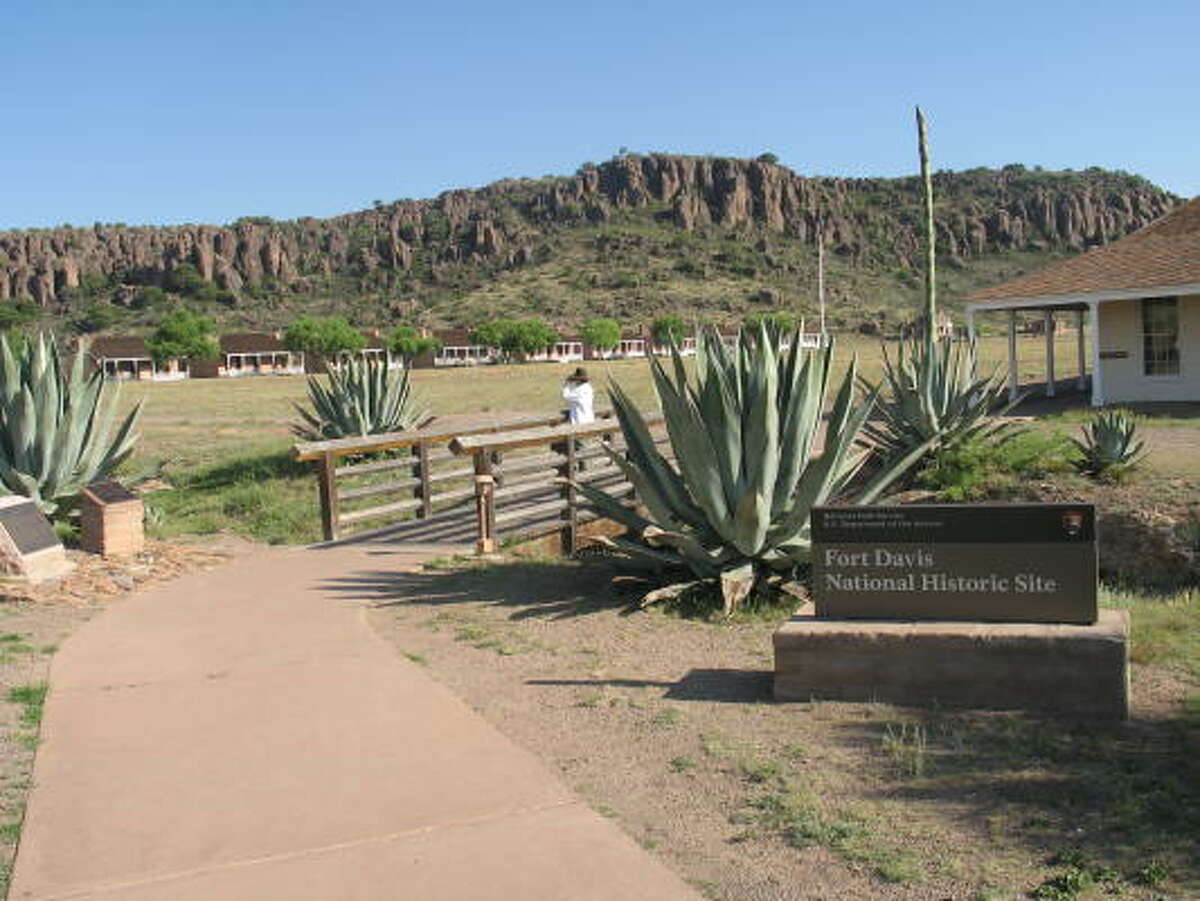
183	335
768	157
602	333
515	337
667	330
531	336
781	322
325	336
407	342
493	333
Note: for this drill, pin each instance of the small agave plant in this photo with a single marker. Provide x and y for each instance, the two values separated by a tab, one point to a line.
363	397
1110	445
56	434
735	505
930	396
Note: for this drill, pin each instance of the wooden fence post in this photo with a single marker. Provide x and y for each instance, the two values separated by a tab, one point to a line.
485	503
422	452
329	499
570	537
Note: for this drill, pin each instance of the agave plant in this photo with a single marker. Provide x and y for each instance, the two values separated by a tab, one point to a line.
1110	444
931	397
363	397
736	504
54	434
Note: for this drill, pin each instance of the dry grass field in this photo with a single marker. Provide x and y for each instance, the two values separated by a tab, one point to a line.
222	443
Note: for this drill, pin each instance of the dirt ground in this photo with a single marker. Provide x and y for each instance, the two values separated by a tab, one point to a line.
35	622
666	724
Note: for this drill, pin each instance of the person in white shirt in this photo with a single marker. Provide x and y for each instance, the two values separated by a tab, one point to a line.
580	398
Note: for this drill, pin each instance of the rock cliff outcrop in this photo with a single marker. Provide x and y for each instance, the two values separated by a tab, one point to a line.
864	220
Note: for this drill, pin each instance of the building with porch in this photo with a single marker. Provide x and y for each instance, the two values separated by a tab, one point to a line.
1139	298
128	359
256	353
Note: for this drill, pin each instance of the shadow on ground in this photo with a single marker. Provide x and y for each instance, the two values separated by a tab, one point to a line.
721	685
559	589
1118	802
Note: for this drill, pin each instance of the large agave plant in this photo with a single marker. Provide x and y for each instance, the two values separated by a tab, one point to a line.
54	434
735	506
932	398
1110	444
363	397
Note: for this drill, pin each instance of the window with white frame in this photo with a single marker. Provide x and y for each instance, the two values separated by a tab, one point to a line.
1160	336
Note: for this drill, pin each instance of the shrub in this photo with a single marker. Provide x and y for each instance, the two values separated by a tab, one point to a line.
56	434
735	507
363	397
978	469
1110	446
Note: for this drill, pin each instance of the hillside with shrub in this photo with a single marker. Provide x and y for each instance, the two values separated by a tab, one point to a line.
630	238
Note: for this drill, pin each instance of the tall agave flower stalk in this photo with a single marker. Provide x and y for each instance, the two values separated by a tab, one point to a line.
736	504
56	434
363	397
933	397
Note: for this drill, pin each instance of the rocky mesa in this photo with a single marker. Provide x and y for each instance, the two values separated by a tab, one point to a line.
866	221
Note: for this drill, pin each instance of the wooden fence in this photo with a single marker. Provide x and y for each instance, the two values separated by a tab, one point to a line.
524	479
519	477
431	479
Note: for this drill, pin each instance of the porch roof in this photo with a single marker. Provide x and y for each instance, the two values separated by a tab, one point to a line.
1160	260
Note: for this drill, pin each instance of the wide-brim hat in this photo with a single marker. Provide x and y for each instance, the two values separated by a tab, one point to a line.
580	374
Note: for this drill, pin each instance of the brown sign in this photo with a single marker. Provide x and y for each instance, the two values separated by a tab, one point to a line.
1033	563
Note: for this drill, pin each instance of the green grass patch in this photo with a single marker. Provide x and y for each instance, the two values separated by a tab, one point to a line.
1164	629
32	699
264	496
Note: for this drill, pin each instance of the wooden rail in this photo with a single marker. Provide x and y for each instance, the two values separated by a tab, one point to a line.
428	479
525	478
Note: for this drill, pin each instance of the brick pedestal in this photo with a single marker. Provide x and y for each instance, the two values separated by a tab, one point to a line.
111	521
1072	669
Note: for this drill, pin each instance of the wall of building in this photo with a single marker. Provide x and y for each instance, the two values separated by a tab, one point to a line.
1121	354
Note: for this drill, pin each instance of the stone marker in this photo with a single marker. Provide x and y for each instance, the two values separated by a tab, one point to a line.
29	549
1028	563
1081	671
984	605
111	520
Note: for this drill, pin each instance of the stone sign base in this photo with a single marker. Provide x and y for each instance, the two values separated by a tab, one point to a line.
1076	670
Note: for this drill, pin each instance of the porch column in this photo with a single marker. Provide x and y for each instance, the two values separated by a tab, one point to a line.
1012	355
1048	327
1097	372
1081	382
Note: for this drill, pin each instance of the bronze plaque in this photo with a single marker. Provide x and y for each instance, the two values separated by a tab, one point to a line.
1031	563
27	526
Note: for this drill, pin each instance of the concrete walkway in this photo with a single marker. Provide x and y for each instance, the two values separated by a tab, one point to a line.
243	734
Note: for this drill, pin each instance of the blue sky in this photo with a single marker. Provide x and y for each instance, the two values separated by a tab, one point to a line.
161	112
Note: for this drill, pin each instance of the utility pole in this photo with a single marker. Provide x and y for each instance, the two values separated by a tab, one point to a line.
821	274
